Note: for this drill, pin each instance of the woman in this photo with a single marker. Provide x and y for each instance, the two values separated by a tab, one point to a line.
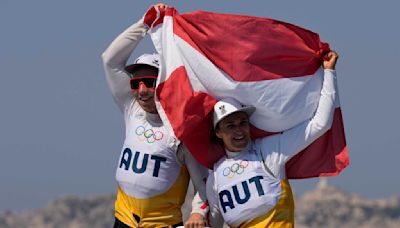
248	186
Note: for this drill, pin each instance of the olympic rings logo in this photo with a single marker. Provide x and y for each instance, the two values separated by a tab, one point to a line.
149	135
235	168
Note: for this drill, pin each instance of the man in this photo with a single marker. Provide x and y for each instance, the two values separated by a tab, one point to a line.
153	169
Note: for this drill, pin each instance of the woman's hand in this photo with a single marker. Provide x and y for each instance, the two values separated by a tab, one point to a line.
195	220
155	15
332	58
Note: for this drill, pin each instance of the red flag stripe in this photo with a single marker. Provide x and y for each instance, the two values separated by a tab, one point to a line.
299	50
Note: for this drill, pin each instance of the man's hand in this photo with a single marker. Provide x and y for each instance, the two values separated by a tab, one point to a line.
330	63
155	15
195	220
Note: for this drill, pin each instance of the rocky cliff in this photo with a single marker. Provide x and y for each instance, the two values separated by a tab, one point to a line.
325	206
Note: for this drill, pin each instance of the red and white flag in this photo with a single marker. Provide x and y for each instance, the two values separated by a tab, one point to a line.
272	65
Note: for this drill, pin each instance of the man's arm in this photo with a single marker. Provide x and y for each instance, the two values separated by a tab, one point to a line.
115	58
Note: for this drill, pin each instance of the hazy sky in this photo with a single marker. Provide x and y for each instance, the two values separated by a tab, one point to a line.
61	133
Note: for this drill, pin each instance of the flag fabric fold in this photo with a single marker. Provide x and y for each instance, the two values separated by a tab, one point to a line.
272	65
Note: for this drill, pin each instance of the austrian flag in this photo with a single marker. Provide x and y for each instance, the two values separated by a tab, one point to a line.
272	65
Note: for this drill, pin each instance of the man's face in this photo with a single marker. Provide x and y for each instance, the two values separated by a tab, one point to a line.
234	130
145	94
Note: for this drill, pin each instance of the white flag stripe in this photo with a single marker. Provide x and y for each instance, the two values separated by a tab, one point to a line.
277	110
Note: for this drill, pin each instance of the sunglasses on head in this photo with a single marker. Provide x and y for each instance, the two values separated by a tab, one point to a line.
148	81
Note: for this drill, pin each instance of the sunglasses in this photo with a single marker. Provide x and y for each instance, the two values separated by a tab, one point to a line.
148	81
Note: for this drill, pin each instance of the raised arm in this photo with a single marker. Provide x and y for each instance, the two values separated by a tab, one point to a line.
115	58
280	148
119	51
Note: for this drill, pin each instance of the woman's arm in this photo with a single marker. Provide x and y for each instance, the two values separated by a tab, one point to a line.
215	217
278	149
115	58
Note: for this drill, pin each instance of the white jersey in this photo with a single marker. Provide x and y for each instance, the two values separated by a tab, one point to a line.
148	164
245	189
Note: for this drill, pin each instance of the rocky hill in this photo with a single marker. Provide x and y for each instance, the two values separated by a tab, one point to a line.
71	212
325	206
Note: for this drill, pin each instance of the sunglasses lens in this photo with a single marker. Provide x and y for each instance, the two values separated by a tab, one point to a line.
134	84
148	82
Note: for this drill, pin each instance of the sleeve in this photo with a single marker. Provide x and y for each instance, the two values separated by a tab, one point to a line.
115	58
198	175
278	149
215	217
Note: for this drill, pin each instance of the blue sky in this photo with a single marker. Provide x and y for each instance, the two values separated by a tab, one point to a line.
61	133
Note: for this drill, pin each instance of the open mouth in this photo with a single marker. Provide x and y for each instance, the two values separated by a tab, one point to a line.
239	138
144	99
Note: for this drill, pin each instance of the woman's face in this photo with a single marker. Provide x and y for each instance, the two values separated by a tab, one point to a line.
234	130
144	95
